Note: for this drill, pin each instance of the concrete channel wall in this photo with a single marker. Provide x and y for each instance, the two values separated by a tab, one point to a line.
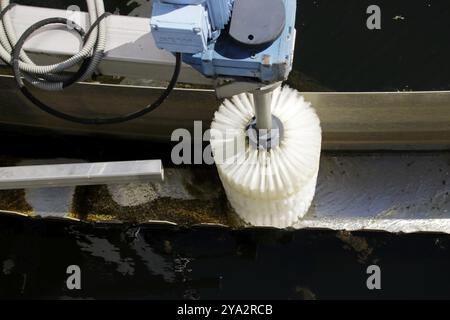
363	121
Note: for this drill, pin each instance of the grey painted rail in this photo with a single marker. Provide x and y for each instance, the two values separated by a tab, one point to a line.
63	175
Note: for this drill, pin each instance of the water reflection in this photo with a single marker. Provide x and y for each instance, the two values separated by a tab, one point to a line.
165	262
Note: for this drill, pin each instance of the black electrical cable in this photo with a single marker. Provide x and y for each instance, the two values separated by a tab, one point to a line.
80	120
84	66
7	8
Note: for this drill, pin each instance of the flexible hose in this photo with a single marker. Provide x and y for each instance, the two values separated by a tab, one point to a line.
43	75
50	77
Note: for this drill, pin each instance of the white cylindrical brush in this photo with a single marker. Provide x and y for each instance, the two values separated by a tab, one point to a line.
272	187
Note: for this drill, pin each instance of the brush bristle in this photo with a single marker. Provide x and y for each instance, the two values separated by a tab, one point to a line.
268	188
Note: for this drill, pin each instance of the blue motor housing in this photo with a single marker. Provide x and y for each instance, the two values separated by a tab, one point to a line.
220	55
187	26
219	10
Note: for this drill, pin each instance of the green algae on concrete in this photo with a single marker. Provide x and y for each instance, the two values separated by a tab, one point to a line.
187	197
95	203
13	200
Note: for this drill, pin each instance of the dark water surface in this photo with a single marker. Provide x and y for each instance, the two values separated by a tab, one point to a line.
337	52
119	261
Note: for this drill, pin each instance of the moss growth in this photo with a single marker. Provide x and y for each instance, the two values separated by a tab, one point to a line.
14	200
95	204
204	182
357	244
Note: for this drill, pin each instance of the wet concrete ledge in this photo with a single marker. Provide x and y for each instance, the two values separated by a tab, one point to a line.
396	192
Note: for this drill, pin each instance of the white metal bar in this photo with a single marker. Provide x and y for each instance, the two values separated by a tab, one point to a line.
64	175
